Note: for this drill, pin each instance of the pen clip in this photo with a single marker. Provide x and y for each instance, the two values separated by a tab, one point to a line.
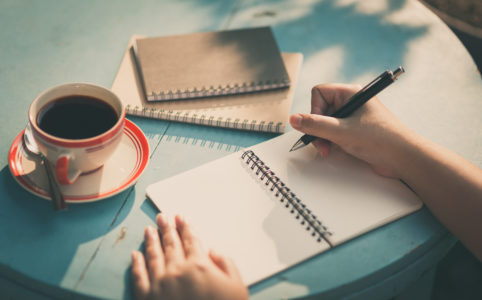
385	75
374	81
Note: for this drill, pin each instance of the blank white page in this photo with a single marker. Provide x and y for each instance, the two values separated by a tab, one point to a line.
236	214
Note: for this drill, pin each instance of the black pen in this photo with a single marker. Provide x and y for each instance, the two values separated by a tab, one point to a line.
356	101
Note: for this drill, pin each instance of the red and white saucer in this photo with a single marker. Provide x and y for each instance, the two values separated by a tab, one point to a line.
120	172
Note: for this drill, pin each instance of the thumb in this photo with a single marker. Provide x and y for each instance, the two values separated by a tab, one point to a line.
318	125
225	264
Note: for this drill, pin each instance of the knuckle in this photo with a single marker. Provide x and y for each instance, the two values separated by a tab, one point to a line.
200	266
315	90
308	121
180	273
355	87
187	235
318	86
174	271
152	253
168	239
188	246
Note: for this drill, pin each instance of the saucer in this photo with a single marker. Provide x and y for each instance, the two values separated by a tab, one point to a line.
119	173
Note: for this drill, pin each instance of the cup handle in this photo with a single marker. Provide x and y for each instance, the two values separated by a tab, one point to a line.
64	175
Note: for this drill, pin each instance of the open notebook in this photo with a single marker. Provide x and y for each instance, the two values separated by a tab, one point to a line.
268	208
264	111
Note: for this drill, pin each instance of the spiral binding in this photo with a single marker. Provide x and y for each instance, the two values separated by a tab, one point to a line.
190	117
287	197
221	90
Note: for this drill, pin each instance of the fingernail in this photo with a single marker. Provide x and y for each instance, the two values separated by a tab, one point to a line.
181	220
295	120
162	220
149	231
178	221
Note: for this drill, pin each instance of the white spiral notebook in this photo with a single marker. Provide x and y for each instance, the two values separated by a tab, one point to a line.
269	209
264	111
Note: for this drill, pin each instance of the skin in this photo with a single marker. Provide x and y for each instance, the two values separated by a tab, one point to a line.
449	185
176	266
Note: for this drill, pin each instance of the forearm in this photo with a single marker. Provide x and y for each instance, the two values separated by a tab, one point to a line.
449	185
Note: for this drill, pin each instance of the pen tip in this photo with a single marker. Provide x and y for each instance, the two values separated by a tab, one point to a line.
299	144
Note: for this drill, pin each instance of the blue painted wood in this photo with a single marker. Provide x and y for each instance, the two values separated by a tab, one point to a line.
49	43
11	290
85	251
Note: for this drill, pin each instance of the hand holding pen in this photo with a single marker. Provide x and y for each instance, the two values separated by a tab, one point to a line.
357	100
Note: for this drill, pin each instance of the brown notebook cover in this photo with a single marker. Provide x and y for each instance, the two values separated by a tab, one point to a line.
267	111
210	64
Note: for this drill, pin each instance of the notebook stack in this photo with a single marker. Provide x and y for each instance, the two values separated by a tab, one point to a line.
235	79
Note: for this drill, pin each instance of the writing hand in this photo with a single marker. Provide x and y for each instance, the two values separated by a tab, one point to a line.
372	133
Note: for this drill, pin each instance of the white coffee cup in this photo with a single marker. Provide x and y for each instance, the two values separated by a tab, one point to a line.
74	156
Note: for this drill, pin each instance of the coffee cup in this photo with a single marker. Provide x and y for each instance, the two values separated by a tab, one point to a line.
77	127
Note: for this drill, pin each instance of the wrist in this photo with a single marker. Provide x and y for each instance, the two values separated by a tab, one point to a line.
401	151
411	152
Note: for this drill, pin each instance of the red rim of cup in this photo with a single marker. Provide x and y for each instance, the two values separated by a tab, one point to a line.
88	142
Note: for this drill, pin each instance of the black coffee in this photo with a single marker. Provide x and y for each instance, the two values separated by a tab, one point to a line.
76	117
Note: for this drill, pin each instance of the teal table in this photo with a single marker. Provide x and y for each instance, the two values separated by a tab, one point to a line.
84	252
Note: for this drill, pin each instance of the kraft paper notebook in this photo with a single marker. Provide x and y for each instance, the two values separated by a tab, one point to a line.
264	111
269	209
208	64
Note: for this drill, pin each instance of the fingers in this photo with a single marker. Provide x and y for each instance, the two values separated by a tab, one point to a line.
192	245
171	243
321	126
154	255
226	265
318	104
326	98
323	146
140	279
159	257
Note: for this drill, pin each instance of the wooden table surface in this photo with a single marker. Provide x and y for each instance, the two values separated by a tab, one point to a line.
84	252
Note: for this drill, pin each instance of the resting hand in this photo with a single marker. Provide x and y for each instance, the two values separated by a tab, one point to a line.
180	268
372	133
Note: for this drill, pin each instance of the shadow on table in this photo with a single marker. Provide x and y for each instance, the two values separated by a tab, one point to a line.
459	276
42	242
366	43
361	36
369	41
